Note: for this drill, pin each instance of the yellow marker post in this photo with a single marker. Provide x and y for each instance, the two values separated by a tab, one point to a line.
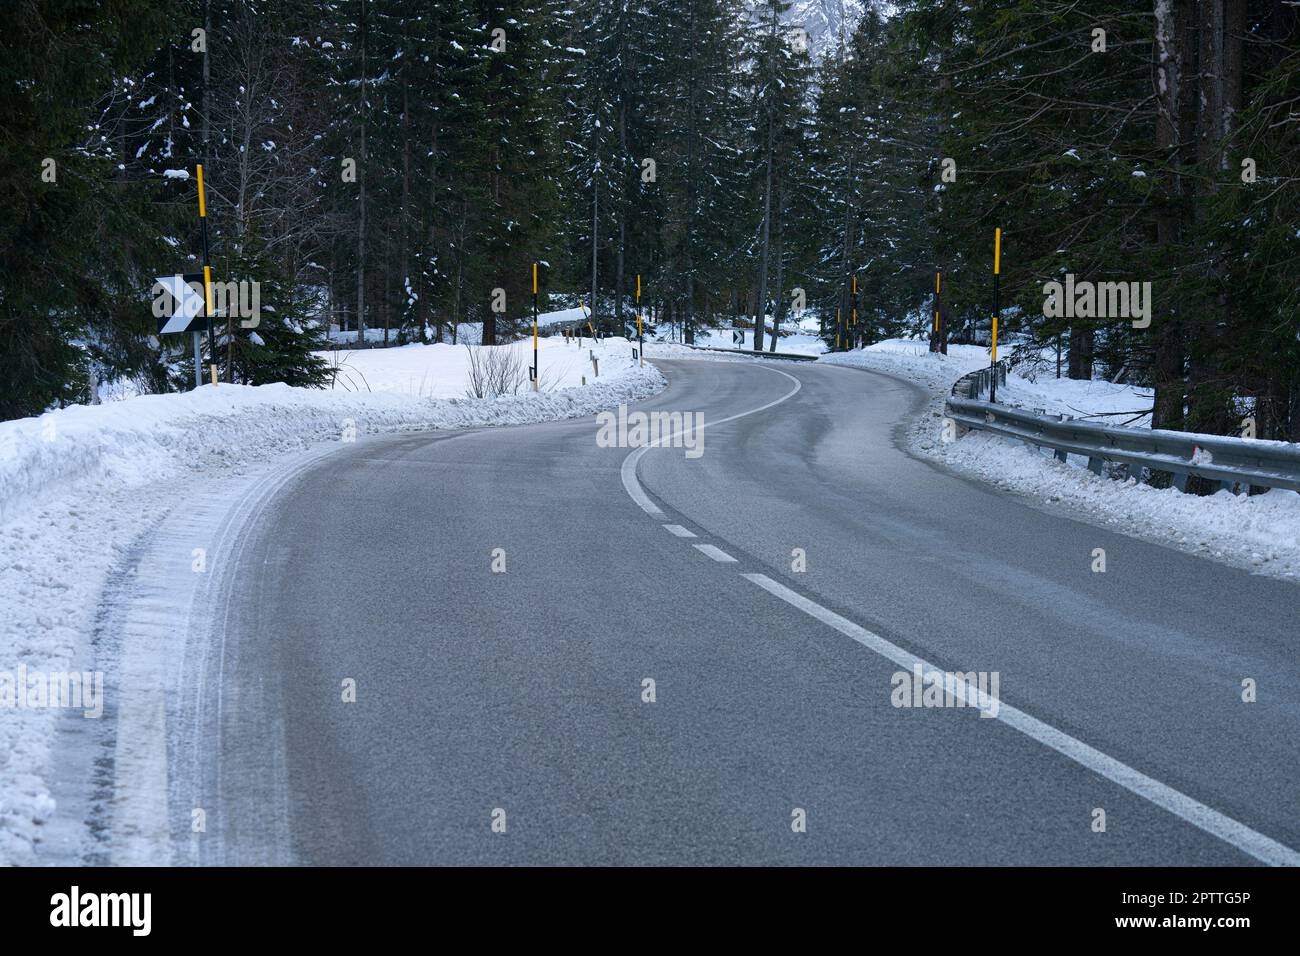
207	274
936	303
207	288
640	333
993	354
536	369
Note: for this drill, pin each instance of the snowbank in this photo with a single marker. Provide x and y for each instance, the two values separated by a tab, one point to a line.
1260	533
81	487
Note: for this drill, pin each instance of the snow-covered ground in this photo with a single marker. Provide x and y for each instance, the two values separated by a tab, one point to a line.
467	333
1260	533
442	371
803	342
82	487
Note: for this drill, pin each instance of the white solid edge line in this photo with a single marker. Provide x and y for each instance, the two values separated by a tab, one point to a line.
678	531
717	554
1186	808
628	471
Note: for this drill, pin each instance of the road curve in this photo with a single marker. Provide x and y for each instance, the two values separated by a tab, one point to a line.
522	691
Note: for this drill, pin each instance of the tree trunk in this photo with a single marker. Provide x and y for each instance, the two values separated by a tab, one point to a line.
595	225
428	313
1081	343
688	320
760	306
842	299
403	256
779	315
1210	405
361	196
1172	24
622	209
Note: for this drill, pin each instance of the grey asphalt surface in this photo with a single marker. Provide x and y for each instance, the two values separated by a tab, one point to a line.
522	691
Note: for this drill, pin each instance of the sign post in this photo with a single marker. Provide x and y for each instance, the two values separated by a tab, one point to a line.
186	315
640	330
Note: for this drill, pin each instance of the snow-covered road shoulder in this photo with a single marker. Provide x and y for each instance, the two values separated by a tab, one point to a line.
81	487
1260	533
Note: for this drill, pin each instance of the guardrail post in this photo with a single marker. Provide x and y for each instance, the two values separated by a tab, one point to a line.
1094	466
1056	452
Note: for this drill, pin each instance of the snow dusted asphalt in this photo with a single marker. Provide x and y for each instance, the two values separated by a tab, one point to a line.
522	691
86	494
1258	533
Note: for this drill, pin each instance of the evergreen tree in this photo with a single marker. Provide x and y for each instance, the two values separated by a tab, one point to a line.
75	241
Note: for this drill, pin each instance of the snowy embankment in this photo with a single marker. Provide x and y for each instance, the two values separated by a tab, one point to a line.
1260	533
81	487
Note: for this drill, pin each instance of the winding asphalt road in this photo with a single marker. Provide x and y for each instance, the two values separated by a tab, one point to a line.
523	692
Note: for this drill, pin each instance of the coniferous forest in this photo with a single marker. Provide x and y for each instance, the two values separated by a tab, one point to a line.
387	164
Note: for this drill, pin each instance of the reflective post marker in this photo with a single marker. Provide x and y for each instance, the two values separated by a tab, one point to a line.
640	332
207	276
938	341
997	268
936	303
536	369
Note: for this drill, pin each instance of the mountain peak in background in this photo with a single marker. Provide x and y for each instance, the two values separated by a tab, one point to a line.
826	21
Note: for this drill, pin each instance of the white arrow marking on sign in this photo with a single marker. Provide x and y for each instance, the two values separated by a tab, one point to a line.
188	303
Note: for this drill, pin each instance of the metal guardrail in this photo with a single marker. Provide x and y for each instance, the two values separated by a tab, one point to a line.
1229	461
976	383
788	356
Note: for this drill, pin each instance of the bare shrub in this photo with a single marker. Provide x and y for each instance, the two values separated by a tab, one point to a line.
494	370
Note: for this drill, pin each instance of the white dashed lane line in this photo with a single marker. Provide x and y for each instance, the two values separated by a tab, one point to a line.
678	531
717	554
